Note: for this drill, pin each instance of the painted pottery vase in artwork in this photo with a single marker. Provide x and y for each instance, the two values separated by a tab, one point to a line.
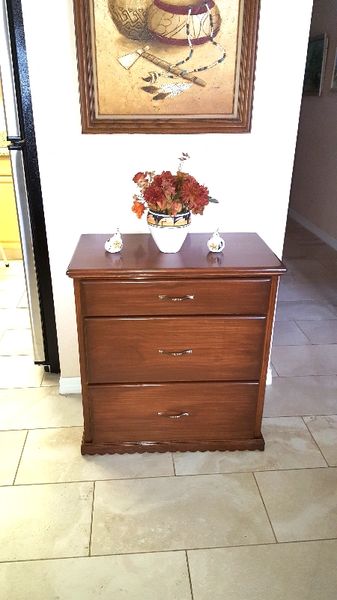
129	17
168	232
170	22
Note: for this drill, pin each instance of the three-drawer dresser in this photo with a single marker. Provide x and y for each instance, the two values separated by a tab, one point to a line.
174	348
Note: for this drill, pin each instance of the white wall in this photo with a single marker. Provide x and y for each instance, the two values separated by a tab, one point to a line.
86	179
313	195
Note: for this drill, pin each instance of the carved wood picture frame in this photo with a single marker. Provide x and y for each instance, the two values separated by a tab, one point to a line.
137	77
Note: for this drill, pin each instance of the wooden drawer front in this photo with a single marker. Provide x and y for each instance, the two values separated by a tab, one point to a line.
228	296
173	412
166	349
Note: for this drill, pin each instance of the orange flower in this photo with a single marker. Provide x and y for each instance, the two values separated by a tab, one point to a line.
138	208
139	177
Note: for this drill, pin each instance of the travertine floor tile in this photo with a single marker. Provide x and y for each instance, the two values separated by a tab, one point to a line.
55	455
11	444
288	446
178	512
302	505
320	332
39	407
19	372
287	333
161	576
10	296
324	430
14	318
294	311
45	521
15	270
308	269
16	342
292	288
290	396
291	361
314	274
302	571
23	302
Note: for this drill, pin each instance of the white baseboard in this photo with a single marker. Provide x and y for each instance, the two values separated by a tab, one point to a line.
70	385
325	237
269	379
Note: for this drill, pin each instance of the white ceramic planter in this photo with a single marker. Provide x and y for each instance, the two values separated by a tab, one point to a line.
169	233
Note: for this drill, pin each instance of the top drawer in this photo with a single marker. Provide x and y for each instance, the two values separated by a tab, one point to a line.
194	296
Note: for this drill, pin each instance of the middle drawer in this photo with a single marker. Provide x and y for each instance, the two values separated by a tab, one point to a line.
173	349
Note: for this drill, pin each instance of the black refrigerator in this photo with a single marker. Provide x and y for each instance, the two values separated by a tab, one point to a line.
27	186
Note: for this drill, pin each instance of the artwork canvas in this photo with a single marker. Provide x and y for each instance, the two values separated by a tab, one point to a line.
166	66
315	65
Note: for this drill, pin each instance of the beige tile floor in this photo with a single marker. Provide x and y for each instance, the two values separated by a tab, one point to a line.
183	526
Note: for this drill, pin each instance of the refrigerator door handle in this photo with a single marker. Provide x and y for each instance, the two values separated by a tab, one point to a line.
22	207
16	142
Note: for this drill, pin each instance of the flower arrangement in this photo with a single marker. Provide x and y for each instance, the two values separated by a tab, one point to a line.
170	194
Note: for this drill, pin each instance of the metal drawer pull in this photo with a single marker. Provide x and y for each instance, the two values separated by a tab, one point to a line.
176	298
184	414
177	353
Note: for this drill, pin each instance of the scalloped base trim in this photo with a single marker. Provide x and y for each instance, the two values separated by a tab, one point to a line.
173	446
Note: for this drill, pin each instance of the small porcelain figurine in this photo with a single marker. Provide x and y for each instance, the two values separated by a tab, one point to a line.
115	243
216	243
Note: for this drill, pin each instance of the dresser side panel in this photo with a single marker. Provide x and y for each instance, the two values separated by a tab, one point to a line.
87	435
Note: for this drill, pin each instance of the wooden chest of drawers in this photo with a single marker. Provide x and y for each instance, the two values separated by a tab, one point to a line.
174	348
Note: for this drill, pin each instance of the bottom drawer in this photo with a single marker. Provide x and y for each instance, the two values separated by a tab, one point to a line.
172	412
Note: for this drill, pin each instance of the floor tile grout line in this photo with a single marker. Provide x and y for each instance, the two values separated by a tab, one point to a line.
310	345
265	508
41	484
19	461
283	416
172	550
315	442
300	328
307	374
189	574
181	475
252	471
74	481
44	428
173	464
92	516
266	417
273	367
318	300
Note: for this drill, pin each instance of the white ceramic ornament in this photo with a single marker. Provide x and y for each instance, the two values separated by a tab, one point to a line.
216	243
115	243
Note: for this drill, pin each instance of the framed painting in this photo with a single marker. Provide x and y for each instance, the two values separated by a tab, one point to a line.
315	65
334	74
166	66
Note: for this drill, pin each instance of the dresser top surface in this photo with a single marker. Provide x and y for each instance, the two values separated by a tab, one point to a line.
244	254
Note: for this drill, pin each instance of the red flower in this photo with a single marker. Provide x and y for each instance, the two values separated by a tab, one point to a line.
194	195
